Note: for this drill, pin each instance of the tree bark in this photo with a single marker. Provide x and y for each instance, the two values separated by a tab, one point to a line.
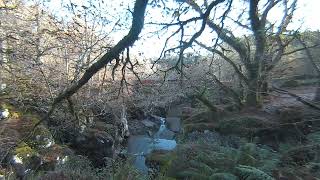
252	98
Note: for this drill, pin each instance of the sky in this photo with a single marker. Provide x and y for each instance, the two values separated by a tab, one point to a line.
306	17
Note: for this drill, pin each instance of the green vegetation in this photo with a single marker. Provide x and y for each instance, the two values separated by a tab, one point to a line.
240	90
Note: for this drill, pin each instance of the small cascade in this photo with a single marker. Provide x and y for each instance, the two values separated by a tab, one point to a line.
141	145
161	129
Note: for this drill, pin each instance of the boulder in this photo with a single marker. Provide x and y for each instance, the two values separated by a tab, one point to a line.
165	134
148	124
174	124
95	144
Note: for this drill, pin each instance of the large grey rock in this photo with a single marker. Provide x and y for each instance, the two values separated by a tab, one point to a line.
174	124
176	110
148	123
166	134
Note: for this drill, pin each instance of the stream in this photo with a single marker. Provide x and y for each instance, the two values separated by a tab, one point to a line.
141	145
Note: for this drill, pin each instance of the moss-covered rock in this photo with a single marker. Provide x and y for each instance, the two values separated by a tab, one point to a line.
162	158
243	125
24	152
187	128
41	138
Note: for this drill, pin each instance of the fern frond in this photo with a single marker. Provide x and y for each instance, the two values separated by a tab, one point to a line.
251	173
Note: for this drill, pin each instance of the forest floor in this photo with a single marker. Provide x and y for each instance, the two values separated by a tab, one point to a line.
276	99
278	141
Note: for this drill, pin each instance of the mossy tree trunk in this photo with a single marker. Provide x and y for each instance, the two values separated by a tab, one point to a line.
252	52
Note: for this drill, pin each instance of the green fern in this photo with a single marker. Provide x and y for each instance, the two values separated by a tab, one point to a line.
314	137
223	176
202	167
192	173
251	173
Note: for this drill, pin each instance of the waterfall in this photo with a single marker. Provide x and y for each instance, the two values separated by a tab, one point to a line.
161	128
141	145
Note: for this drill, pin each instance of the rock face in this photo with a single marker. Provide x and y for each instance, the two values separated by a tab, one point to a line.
95	145
148	123
165	134
174	124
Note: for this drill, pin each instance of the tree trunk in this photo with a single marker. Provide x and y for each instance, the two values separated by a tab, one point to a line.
264	86
317	95
253	94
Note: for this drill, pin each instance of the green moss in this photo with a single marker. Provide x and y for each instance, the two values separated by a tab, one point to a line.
199	127
7	106
2	172
24	151
33	118
203	161
243	126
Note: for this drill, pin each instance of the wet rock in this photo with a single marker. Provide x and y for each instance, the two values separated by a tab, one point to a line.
148	123
174	124
166	134
156	119
136	127
95	145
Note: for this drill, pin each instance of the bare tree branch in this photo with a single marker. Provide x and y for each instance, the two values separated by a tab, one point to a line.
128	40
